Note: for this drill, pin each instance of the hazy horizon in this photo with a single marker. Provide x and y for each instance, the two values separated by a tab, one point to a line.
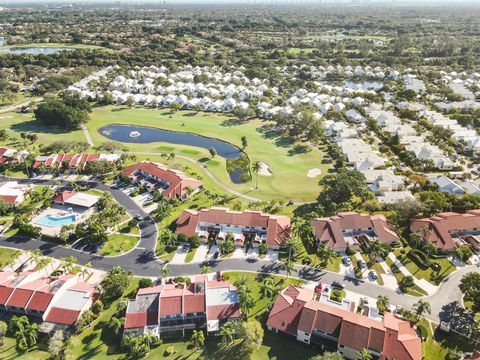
289	2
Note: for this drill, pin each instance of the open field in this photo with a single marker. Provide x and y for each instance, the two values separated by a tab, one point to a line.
118	244
288	161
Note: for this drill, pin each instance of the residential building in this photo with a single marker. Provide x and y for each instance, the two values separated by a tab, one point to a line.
177	309
249	226
449	230
76	199
59	302
70	162
352	229
13	193
171	183
447	185
297	313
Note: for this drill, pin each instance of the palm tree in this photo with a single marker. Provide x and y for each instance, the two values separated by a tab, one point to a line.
85	273
205	269
115	324
246	300
325	255
68	263
382	303
241	282
164	273
198	338
267	288
226	333
256	167
289	267
35	256
364	354
376	250
421	308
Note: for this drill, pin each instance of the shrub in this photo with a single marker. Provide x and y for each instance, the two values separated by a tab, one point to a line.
349	251
97	307
179	279
422	332
144	283
194	241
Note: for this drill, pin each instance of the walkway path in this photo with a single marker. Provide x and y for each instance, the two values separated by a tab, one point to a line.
87	135
389	280
422	283
19	106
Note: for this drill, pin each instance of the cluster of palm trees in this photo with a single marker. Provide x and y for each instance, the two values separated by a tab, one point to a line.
245	296
228	332
198	339
26	334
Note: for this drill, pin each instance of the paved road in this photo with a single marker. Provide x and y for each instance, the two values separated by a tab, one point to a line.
142	262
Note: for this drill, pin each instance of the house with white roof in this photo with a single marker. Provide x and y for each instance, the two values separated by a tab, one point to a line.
447	185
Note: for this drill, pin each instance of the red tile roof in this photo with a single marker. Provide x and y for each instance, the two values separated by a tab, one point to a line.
40	301
19	298
178	181
277	227
437	229
171	305
228	311
8	198
194	303
64	196
5	292
295	310
62	316
329	231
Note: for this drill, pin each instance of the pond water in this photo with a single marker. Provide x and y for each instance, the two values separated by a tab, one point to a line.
145	135
35	50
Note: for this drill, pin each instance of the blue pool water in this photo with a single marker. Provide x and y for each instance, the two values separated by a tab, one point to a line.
50	221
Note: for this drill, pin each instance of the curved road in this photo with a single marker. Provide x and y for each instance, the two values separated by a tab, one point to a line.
143	262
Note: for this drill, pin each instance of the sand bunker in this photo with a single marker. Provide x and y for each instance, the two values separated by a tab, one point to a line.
264	170
314	172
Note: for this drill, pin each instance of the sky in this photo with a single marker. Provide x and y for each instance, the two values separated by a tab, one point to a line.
416	2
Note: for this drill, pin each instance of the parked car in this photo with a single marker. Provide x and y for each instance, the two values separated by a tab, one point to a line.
185	247
216	255
347	261
338	285
362	264
139	217
373	275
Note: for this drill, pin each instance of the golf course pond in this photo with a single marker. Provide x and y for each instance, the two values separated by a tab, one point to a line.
145	135
35	50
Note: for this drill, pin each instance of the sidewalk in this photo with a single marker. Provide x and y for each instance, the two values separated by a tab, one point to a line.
422	283
389	280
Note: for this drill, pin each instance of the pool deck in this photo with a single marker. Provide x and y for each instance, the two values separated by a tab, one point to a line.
80	213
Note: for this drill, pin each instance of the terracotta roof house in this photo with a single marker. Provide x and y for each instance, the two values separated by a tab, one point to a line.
169	309
171	183
12	192
273	230
70	162
59	302
298	314
351	228
449	230
7	155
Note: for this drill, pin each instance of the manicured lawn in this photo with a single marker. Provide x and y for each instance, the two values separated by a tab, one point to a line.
428	274
438	344
6	255
94	192
280	153
16	123
127	229
118	244
374	266
414	290
332	265
190	255
8	351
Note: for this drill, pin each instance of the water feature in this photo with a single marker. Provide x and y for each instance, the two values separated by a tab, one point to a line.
52	221
146	135
35	50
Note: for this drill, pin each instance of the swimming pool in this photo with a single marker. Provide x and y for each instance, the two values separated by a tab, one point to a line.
52	221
